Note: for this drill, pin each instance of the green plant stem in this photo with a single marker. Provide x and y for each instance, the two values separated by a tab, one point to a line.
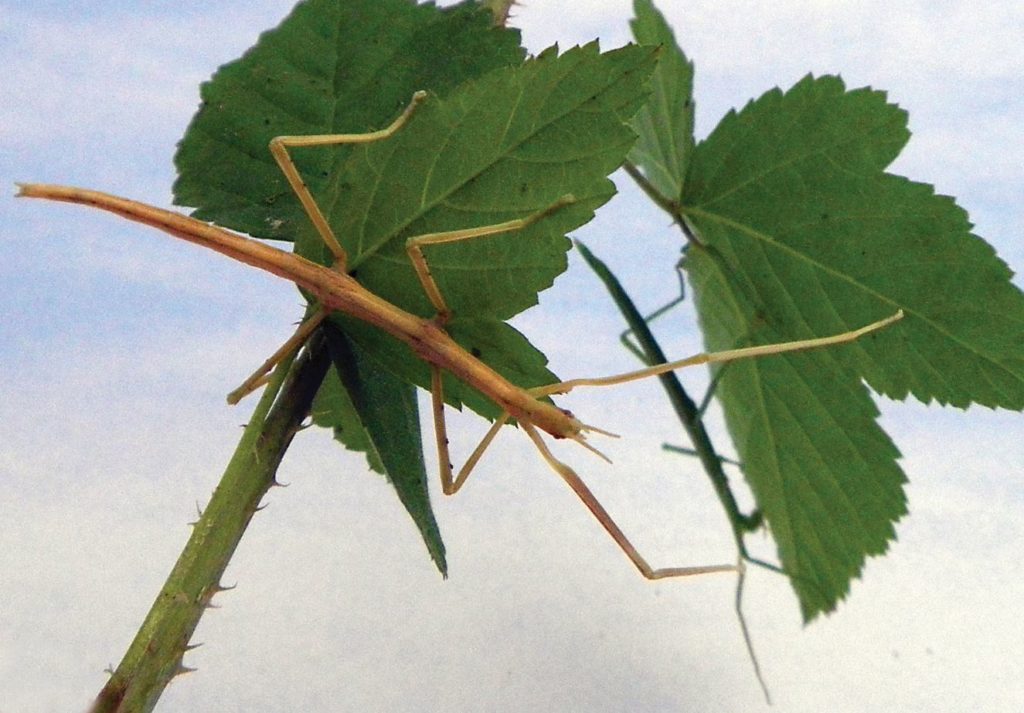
669	206
155	656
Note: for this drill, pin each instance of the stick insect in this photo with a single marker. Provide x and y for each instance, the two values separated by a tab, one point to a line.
336	290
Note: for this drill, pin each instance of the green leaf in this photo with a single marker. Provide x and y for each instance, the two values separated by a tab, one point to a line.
387	428
331	66
501	148
333	409
476	153
806	235
665	124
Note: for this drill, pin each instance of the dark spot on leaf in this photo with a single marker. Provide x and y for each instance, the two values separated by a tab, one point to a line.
824	216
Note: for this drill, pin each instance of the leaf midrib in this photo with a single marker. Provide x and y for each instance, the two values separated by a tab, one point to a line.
822	151
790	513
442	197
692	211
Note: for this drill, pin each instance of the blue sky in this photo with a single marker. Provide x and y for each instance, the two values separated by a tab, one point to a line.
119	345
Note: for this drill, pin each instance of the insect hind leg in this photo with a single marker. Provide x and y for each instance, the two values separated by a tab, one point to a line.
610	526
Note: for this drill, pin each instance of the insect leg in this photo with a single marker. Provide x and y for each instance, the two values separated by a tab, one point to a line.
475	456
279	146
451	484
414	246
611	527
259	377
444	458
719	358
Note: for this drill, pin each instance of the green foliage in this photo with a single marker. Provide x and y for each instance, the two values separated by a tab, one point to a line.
308	76
665	123
318	72
796	229
385	413
496	140
495	149
802	233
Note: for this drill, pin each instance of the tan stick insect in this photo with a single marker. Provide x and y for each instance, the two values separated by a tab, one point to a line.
338	291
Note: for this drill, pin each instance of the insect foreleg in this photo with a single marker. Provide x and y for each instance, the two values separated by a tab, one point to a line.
279	149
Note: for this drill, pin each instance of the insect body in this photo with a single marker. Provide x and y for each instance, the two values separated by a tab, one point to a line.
337	291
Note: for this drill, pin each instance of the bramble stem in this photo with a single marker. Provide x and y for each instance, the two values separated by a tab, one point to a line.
155	656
